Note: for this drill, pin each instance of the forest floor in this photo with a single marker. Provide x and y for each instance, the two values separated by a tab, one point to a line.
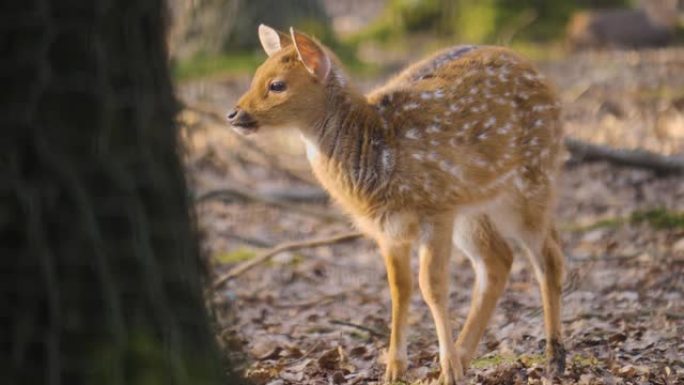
320	315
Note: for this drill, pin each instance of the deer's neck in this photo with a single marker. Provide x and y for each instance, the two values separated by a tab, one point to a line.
352	141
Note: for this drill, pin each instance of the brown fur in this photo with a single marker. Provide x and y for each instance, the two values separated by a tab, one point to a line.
461	148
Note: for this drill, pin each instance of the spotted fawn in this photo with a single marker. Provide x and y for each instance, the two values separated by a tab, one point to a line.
461	148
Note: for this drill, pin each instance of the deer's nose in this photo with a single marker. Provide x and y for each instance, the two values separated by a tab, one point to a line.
232	114
243	121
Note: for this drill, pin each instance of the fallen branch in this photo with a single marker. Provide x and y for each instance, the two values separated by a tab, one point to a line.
371	331
588	152
286	246
226	191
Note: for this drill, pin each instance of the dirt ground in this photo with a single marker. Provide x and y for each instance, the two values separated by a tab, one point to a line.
321	315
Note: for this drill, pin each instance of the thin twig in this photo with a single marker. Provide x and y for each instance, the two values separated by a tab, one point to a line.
228	191
371	331
286	246
314	302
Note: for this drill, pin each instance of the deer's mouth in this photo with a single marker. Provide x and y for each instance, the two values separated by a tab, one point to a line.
246	127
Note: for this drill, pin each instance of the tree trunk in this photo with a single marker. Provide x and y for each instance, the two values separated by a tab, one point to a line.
99	268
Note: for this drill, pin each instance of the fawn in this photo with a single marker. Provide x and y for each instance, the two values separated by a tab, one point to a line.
462	147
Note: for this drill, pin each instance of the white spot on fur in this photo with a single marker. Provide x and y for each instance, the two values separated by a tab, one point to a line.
503	178
490	122
456	171
519	183
410	106
506	128
540	107
481	162
433	128
444	165
413	134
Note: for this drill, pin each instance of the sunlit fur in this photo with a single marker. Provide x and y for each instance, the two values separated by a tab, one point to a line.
461	148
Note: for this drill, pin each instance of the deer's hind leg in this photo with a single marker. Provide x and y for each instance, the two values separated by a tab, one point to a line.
491	259
549	274
539	241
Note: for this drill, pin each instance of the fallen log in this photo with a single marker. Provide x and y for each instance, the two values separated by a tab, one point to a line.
588	152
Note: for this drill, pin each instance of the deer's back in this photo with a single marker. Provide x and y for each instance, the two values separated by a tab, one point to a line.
468	122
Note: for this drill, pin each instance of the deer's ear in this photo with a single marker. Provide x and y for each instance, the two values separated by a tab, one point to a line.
312	55
272	40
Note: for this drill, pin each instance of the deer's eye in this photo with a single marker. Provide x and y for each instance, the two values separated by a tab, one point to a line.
277	86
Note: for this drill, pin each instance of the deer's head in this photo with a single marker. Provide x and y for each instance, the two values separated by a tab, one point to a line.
288	89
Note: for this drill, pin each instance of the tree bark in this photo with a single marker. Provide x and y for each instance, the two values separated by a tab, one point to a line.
99	265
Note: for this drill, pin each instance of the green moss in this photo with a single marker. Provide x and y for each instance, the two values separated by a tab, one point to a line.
659	218
533	359
492	360
582	360
239	255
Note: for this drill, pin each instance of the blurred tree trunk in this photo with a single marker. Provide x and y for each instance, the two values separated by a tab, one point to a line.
99	268
213	26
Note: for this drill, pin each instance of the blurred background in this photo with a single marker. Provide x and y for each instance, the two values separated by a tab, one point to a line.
320	315
218	35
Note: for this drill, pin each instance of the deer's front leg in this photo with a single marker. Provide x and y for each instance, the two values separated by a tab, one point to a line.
397	262
435	251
